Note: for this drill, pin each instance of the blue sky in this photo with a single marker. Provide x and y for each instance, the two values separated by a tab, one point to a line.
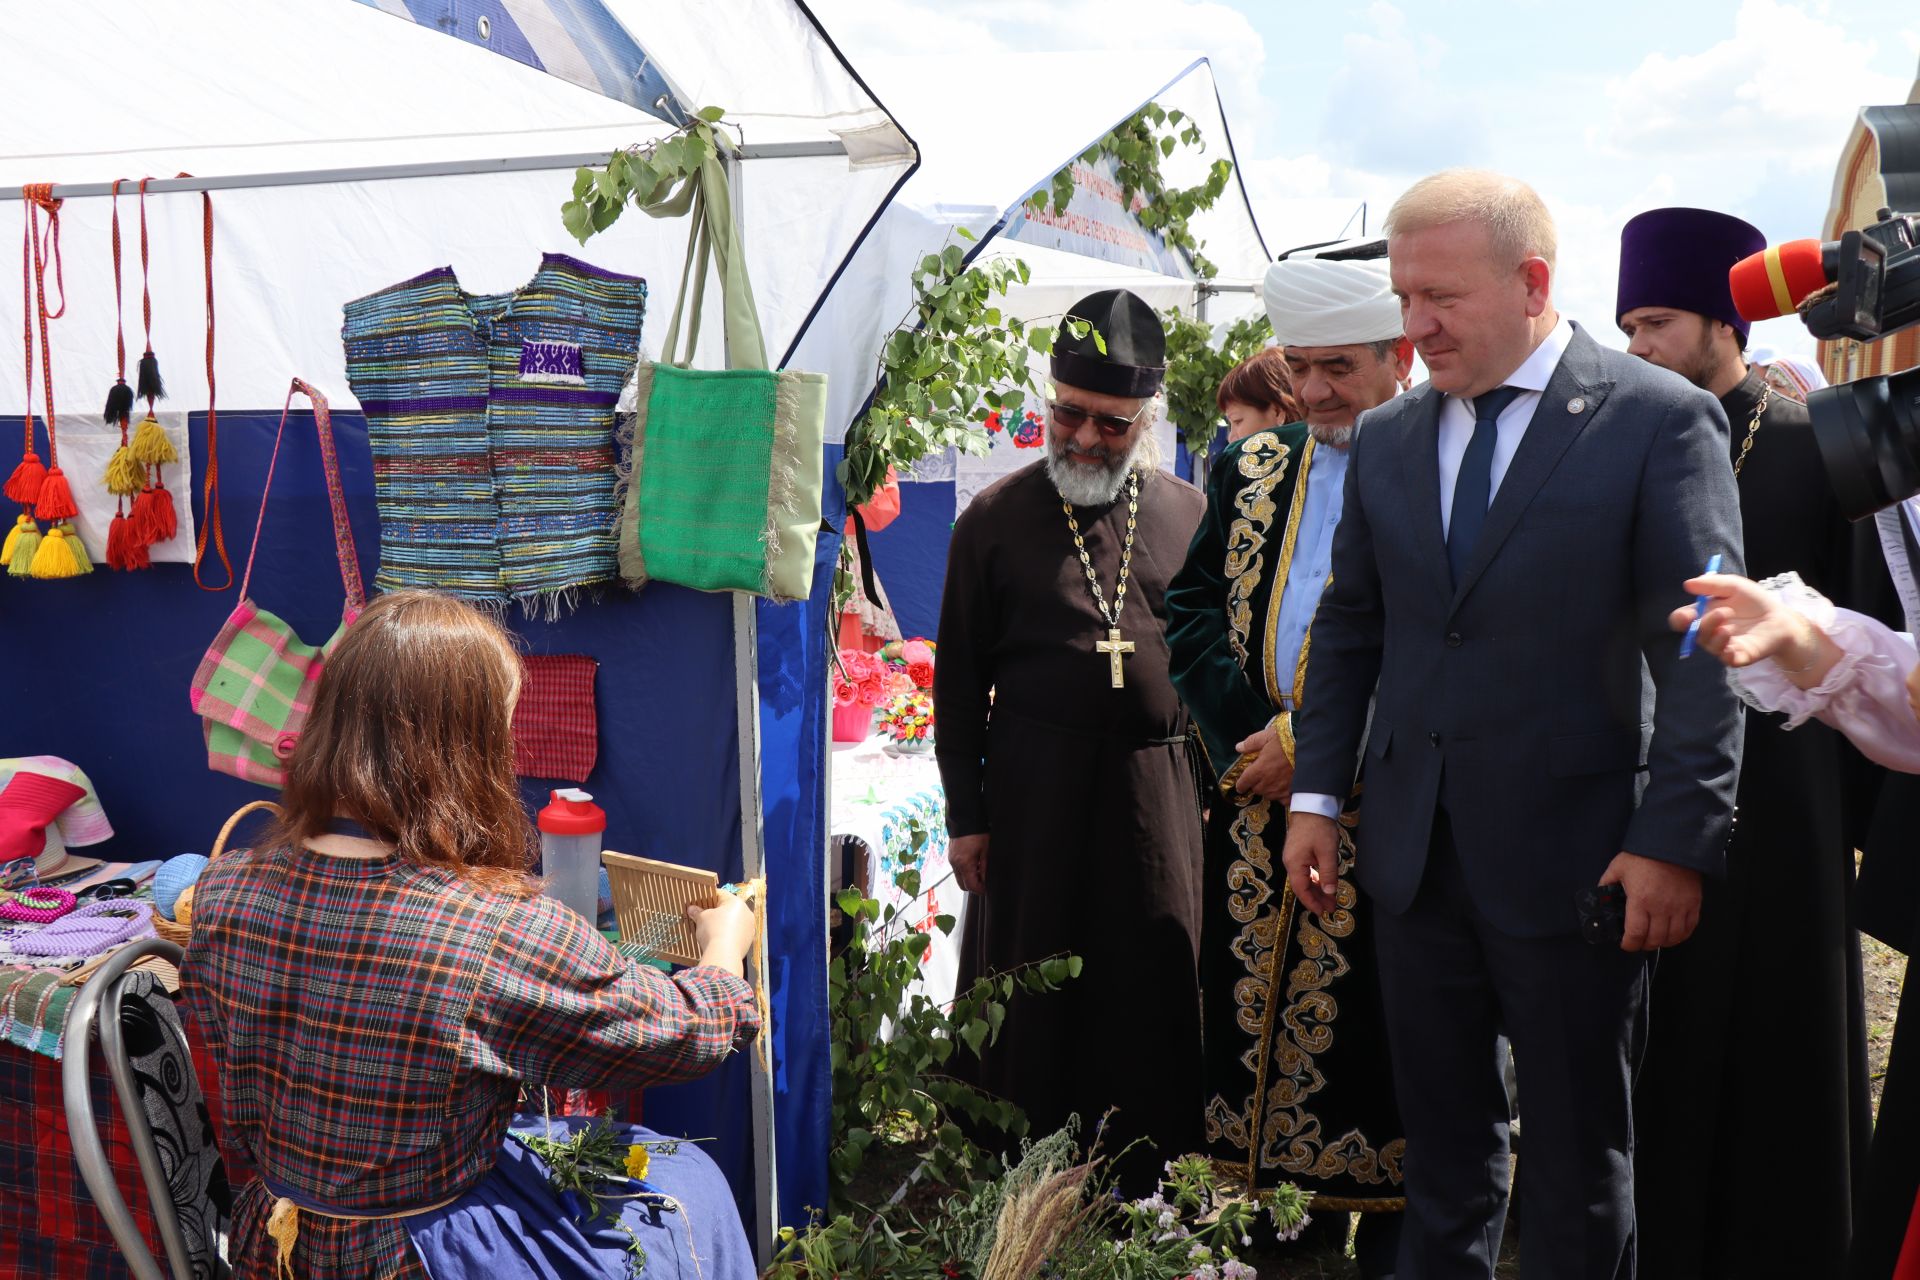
1739	105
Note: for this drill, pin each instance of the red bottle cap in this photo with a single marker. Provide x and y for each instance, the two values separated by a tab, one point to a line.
572	813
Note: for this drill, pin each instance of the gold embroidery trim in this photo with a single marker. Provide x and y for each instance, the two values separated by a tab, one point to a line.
1263	460
1292	536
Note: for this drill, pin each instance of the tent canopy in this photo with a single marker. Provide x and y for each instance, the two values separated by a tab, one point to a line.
980	164
229	88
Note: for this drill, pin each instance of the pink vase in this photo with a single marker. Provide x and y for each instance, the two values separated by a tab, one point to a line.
852	722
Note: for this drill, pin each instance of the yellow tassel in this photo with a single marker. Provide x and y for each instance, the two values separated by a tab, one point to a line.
150	443
24	543
283	1228
78	546
55	559
126	475
12	544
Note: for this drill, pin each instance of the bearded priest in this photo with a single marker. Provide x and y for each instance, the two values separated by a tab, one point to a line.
1297	1084
1071	798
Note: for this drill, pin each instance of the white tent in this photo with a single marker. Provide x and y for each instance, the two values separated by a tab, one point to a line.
351	148
348	146
1024	117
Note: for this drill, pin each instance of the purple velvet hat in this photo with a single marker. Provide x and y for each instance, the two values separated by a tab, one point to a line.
1679	258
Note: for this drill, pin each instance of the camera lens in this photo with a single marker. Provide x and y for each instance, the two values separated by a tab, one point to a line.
1869	437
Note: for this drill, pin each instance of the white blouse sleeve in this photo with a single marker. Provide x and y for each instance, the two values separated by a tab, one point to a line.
1864	696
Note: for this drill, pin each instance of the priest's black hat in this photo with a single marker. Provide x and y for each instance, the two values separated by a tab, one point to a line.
1679	258
1134	362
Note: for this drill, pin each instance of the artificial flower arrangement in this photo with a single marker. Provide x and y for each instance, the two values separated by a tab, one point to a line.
859	679
907	721
912	658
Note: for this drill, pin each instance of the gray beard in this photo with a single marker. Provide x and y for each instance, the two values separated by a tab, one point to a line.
1083	485
1333	437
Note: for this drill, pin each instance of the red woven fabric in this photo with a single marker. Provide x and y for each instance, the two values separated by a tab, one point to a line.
556	733
27	805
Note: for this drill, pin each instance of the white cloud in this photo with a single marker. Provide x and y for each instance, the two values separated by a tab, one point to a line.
1783	88
986	27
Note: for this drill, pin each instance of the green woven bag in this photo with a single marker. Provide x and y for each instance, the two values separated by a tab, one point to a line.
726	465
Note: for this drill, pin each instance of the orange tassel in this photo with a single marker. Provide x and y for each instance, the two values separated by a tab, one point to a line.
23	486
55	502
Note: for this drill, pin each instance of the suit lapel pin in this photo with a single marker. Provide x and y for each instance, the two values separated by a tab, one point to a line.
1576	405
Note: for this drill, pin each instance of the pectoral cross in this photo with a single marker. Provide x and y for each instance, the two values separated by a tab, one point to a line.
1115	648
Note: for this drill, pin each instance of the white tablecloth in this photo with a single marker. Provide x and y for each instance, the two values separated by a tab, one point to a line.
881	804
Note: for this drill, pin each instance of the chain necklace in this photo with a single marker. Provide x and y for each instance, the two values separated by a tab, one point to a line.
1114	647
1753	429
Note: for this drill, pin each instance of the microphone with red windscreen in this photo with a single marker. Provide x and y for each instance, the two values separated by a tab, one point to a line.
1775	281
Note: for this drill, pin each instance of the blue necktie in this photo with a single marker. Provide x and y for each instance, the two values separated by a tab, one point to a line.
1473	489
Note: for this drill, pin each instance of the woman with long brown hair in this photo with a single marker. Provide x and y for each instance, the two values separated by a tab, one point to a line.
379	979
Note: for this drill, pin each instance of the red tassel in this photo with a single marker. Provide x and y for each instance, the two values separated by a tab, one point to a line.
23	486
117	534
163	522
56	498
137	557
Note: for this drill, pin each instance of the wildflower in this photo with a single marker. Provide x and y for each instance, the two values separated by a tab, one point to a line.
1234	1269
638	1158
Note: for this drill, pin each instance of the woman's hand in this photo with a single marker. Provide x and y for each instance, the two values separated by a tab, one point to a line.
724	932
1745	624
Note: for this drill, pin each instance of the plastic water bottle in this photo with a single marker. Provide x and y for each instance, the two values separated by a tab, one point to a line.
570	832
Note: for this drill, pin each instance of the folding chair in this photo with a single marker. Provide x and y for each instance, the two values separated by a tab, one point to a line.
100	1002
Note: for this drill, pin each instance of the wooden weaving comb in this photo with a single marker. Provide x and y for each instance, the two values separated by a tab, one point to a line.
651	899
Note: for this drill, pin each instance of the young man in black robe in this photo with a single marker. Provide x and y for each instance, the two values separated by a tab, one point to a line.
1071	799
1755	1063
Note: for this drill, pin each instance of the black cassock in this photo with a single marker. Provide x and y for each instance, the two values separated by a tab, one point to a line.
1754	1083
1089	796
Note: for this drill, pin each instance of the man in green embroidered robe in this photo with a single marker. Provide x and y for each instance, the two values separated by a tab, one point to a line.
1298	1086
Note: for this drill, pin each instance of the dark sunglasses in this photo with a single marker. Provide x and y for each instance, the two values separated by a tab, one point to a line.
1071	417
106	890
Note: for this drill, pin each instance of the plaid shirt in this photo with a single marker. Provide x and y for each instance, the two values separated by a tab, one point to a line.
373	1023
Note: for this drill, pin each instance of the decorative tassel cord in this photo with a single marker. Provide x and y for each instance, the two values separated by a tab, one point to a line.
210	504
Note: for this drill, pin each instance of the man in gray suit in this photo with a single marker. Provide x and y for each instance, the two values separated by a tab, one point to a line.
1512	538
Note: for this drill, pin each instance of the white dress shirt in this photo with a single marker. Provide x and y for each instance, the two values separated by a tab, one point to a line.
1456	429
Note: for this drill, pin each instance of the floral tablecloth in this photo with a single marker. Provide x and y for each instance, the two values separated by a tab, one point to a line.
890	811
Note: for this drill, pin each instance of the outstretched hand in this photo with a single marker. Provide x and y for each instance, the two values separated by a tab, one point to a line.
1745	623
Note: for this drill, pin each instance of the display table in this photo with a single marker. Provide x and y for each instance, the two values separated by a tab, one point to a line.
889	814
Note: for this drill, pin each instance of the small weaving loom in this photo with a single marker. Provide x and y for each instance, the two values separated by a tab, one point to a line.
651	899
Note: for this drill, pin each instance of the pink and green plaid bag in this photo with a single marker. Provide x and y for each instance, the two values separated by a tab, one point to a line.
255	686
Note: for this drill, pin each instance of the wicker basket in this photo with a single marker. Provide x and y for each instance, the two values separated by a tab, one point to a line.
180	929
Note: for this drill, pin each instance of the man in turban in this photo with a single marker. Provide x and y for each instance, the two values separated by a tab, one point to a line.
1297	1087
1070	790
1759	1013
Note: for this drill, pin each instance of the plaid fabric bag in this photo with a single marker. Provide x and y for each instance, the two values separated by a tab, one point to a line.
255	686
726	464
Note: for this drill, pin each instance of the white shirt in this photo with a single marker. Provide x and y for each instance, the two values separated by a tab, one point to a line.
1456	429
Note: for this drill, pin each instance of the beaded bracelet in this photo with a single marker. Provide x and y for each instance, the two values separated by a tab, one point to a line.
37	905
86	933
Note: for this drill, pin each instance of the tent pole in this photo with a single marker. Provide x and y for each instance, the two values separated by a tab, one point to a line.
753	852
424	169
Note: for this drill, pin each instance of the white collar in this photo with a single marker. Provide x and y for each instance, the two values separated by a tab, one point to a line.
1537	369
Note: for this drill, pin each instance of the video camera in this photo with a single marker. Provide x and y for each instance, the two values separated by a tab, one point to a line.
1865	285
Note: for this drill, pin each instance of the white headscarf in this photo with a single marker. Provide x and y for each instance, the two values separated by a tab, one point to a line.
1330	302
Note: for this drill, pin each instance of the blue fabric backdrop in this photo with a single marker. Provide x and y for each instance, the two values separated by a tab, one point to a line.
99	669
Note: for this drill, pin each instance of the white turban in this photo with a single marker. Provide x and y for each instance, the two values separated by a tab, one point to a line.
1330	302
